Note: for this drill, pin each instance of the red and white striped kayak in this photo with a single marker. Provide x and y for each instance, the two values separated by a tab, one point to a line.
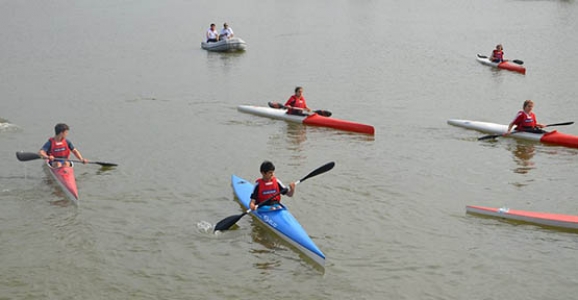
553	137
64	177
539	218
506	65
313	119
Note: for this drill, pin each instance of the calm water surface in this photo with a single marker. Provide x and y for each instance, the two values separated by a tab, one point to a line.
130	79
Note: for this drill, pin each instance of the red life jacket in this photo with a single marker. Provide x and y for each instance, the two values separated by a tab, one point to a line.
528	121
498	55
267	189
59	149
295	102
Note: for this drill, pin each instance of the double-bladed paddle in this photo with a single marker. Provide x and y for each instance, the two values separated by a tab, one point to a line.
227	222
26	156
321	112
493	136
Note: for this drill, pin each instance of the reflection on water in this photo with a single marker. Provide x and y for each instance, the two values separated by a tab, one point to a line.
270	242
296	135
523	154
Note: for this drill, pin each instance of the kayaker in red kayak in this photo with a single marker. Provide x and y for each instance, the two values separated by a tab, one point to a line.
58	148
297	103
497	54
269	186
525	120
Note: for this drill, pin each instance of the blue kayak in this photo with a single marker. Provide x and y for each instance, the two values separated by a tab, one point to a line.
281	221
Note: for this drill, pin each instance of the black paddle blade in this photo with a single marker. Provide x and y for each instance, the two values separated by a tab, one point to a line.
26	156
227	222
560	124
488	137
104	164
324	113
517	61
326	167
276	105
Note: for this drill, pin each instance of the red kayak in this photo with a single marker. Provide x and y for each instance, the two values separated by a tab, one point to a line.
64	177
546	219
313	119
514	65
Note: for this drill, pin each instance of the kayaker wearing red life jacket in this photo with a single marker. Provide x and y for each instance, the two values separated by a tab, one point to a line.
296	103
497	54
58	148
525	120
268	186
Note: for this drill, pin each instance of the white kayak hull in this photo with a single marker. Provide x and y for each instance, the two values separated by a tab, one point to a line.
493	128
312	119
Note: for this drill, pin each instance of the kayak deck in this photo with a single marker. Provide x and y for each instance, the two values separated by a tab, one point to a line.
311	119
280	221
64	178
538	218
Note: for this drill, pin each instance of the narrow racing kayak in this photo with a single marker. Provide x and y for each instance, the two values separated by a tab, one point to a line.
553	137
313	119
506	65
281	221
546	219
64	177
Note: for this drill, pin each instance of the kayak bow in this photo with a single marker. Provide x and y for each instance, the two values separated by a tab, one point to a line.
64	177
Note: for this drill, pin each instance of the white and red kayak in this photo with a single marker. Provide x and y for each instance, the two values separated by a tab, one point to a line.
312	119
64	177
546	219
553	137
514	65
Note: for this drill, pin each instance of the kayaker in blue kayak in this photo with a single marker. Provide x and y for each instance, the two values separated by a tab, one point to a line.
525	120
497	54
269	187
296	103
58	148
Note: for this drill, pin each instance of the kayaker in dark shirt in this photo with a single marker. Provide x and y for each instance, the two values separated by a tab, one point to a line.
58	148
268	187
525	120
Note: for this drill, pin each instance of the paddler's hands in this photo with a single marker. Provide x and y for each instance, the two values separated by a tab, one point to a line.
84	160
252	205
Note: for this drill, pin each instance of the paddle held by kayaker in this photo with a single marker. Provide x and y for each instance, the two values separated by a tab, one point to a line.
296	103
269	188
525	120
58	148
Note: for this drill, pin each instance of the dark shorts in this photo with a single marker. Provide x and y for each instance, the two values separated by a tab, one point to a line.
212	41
